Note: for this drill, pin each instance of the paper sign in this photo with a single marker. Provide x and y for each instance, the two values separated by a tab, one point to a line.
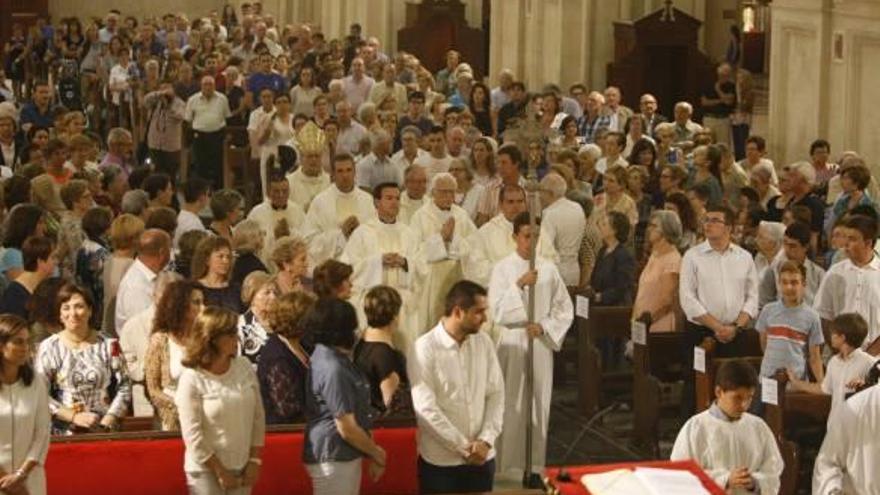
769	391
639	332
582	307
699	359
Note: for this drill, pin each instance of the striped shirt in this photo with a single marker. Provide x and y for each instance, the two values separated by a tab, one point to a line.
790	331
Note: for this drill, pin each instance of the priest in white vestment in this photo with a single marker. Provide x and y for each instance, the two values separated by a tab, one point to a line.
563	224
736	449
309	179
415	184
278	215
441	227
493	241
382	251
335	213
554	312
849	461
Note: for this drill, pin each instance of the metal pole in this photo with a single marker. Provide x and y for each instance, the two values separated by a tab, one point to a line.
532	195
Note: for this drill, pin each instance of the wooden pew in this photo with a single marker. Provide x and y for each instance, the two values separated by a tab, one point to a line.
794	409
235	158
705	381
656	362
607	321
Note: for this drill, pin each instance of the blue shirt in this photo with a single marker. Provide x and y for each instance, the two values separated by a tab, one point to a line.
31	115
259	81
790	331
335	388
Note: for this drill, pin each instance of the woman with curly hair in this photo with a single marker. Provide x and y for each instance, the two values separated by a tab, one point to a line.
333	279
258	293
283	365
221	414
176	311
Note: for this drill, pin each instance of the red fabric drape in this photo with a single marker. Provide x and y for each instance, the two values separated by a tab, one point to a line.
151	467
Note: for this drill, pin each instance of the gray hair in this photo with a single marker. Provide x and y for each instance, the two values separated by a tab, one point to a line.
367	107
687	106
591	150
669	225
774	230
118	134
411	129
805	170
135	202
247	237
554	184
443	176
379	136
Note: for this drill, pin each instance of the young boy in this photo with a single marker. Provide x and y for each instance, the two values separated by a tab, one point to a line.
846	369
735	448
789	327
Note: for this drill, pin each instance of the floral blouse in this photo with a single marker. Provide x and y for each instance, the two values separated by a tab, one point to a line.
92	379
252	336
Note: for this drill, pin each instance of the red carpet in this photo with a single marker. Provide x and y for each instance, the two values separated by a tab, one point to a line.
155	466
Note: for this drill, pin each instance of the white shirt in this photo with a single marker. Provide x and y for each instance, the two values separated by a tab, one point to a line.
433	166
848	458
841	371
357	92
764	163
134	339
135	292
186	221
349	140
371	171
220	415
458	395
564	222
403	163
207	115
24	429
847	288
255	121
719	284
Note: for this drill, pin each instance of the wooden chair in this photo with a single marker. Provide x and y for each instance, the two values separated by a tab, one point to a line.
655	363
608	321
794	408
705	381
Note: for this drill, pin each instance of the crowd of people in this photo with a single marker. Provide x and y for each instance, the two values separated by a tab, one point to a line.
382	265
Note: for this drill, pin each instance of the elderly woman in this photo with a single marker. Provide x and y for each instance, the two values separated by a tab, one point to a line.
611	283
657	297
258	294
221	412
283	364
226	207
291	257
667	153
24	412
88	386
588	155
854	180
337	405
468	194
615	197
247	244
377	356
211	268
180	303
125	231
760	178
333	279
769	242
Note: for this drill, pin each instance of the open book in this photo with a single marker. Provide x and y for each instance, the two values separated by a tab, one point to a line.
643	481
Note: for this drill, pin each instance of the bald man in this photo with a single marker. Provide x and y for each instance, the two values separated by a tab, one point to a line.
137	285
206	112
